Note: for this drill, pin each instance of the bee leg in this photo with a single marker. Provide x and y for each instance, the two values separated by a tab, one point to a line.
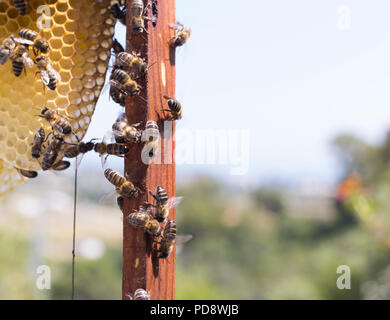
153	195
77	138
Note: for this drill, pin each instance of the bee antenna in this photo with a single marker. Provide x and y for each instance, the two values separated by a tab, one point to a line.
152	64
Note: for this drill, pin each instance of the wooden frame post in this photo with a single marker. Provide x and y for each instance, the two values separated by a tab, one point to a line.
140	267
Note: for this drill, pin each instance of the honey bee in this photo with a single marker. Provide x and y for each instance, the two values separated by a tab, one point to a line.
151	135
61	165
181	36
7	49
49	76
57	122
154	12
174	108
163	203
118	12
142	218
27	173
21	6
138	16
38	140
30	38
123	187
131	62
51	153
117	47
80	148
125	133
20	60
168	239
139	294
117	96
115	149
122	81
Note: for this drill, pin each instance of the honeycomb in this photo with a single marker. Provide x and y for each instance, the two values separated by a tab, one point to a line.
80	38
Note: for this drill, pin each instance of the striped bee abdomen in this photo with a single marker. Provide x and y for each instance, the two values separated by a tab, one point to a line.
162	195
117	149
17	66
114	177
21	6
174	105
28	34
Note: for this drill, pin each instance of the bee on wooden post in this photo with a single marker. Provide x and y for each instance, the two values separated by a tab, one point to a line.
21	6
51	153
138	15
38	140
181	36
151	136
122	81
174	108
27	173
163	203
139	294
20	59
117	96
142	218
131	62
125	133
30	38
7	49
168	240
154	12
123	187
115	149
57	122
118	12
49	76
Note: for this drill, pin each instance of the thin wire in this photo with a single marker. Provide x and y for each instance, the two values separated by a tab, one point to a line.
74	223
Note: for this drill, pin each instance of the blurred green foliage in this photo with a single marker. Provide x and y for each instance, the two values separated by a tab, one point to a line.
248	244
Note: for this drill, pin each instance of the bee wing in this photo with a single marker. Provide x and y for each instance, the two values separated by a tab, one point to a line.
174	26
45	77
183	238
109	137
55	74
27	60
103	160
23	41
173	202
109	198
3	58
121	117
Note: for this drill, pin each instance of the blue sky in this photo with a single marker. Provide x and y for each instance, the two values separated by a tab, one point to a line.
284	70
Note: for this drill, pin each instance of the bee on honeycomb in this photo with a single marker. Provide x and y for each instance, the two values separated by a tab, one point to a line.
80	38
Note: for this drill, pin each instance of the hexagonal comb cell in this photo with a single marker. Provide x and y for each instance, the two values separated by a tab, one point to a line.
9	177
80	38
